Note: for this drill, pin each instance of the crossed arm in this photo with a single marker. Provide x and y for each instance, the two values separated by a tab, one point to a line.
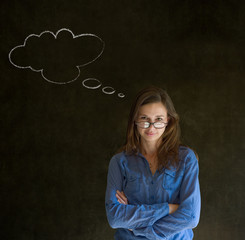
121	198
157	221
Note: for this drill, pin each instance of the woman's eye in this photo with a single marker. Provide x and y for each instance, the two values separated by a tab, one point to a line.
143	118
159	119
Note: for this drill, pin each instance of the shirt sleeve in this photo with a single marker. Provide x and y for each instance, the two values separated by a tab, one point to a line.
128	216
187	215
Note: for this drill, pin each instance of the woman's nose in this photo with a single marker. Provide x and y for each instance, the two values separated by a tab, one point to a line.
151	126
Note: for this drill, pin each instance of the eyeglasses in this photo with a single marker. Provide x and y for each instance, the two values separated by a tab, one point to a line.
145	125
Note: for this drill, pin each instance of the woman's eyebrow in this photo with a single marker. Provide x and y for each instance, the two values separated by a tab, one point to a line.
142	114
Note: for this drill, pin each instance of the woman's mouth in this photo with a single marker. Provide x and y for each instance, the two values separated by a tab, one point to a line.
150	133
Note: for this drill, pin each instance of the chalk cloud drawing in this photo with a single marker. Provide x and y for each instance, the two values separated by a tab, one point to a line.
69	53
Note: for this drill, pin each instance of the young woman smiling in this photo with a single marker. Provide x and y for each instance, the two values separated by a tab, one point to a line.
152	185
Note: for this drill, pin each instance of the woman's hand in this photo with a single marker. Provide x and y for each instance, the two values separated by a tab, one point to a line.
172	207
121	198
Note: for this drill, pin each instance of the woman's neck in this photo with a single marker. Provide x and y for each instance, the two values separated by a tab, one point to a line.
148	148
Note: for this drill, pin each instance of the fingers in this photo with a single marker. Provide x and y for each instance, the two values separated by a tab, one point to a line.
124	196
121	198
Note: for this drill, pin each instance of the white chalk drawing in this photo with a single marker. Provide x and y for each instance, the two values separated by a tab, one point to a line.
121	95
105	90
55	36
91	80
44	58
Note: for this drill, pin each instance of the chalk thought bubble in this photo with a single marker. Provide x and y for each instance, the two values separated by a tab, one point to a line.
58	57
90	83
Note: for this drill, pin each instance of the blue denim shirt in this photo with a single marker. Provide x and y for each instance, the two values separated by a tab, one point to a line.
147	214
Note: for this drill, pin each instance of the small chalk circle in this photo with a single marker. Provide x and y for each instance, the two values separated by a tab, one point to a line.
104	90
121	95
91	79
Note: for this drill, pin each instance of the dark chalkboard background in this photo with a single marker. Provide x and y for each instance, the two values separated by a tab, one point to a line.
57	140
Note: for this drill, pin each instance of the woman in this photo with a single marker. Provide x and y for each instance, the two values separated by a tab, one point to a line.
152	186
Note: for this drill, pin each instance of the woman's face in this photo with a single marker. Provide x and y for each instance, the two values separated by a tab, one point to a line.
152	112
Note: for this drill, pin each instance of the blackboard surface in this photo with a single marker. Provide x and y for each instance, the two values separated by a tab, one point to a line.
58	136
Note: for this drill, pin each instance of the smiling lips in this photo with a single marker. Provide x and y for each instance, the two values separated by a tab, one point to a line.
150	134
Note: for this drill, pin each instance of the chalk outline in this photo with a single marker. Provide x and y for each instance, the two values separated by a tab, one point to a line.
91	79
121	95
55	36
104	91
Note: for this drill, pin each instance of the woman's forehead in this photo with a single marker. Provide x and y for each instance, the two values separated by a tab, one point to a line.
153	109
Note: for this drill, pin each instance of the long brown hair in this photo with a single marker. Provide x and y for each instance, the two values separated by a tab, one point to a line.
167	151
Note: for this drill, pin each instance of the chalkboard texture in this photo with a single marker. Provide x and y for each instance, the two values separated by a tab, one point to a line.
69	72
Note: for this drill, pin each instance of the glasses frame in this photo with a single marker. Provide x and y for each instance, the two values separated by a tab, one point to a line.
151	123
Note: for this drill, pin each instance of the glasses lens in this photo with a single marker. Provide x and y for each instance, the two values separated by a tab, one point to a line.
143	124
159	124
147	124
